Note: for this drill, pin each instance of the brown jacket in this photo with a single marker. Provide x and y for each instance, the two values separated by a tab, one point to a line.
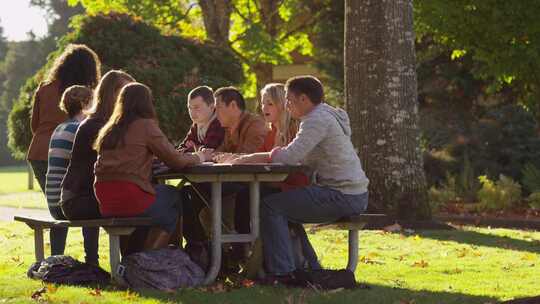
132	161
46	116
248	136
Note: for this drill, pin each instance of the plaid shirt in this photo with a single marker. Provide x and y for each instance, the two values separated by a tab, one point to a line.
213	139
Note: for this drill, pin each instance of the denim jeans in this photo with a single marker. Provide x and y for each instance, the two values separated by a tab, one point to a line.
312	204
58	235
166	208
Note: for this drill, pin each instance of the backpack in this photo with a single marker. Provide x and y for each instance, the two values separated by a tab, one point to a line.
63	269
163	269
327	279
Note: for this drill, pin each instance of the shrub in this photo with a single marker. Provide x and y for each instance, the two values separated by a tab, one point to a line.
531	178
171	66
534	200
498	195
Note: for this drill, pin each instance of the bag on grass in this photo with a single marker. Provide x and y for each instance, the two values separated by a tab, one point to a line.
63	269
162	269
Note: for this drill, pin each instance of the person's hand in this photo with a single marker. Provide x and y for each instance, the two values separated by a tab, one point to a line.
189	144
206	154
223	157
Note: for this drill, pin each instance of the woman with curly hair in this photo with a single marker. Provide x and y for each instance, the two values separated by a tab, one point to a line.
77	65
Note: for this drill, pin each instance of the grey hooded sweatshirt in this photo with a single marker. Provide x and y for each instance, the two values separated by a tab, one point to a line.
323	143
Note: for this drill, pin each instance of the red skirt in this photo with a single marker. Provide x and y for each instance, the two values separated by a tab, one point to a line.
122	199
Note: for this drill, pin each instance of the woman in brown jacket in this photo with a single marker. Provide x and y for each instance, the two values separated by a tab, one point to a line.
126	146
78	65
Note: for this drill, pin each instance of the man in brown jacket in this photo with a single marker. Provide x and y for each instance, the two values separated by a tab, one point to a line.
244	133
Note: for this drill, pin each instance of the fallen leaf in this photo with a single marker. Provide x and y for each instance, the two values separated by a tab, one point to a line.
248	283
51	288
529	257
421	264
95	292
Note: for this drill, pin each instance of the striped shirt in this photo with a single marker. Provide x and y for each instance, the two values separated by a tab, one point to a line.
59	156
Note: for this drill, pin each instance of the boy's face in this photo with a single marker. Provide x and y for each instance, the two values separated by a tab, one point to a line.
199	111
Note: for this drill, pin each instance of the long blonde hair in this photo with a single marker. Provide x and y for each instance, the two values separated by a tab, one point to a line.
287	126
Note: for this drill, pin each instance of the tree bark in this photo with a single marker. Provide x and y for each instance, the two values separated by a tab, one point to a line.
217	18
381	99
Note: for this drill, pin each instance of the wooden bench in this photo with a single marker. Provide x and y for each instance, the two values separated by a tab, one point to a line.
115	227
353	224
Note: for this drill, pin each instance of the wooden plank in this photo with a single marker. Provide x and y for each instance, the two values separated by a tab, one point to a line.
46	222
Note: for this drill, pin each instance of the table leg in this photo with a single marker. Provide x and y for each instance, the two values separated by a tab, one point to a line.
216	234
254	200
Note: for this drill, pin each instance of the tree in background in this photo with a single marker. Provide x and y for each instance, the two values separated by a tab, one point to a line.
381	99
503	35
262	33
3	43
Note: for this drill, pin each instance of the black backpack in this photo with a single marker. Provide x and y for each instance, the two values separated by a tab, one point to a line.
63	269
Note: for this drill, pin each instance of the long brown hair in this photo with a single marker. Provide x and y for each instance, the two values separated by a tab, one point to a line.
134	102
288	126
106	93
77	65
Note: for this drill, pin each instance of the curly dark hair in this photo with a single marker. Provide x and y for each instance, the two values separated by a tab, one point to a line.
77	65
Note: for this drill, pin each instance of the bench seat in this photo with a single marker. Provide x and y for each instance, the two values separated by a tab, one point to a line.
115	227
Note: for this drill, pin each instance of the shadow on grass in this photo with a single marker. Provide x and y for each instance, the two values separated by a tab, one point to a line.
482	239
262	295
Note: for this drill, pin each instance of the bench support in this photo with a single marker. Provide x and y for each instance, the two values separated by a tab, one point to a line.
114	246
38	243
353	250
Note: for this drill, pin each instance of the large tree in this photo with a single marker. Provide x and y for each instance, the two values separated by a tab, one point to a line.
262	33
381	98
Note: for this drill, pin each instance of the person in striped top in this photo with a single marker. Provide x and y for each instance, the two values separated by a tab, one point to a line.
74	100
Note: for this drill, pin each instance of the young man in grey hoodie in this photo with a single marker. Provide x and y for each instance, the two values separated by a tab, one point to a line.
339	185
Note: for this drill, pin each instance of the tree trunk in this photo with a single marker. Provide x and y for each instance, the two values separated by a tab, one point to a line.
381	98
217	19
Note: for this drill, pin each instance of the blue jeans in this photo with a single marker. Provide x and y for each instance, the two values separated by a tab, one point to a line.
58	235
312	204
166	208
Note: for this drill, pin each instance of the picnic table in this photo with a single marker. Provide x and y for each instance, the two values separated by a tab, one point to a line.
216	174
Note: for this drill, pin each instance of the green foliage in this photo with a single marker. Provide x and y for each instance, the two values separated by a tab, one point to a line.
498	195
531	178
439	196
503	35
254	39
170	65
534	200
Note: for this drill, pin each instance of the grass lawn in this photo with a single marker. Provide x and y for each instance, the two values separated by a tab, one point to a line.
14	189
470	265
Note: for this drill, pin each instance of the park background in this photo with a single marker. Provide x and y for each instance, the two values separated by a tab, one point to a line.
467	129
